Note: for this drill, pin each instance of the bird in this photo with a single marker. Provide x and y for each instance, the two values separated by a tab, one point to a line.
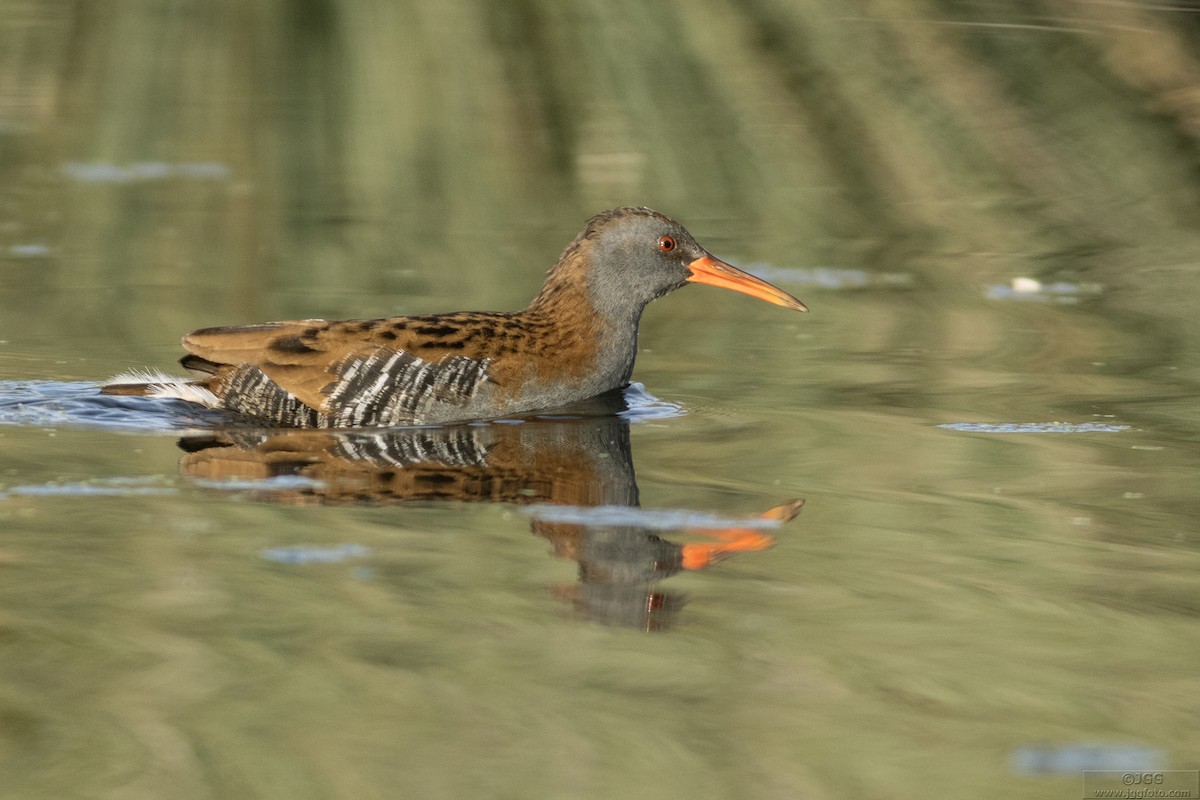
575	340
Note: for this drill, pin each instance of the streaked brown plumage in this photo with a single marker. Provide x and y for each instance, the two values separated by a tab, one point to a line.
575	340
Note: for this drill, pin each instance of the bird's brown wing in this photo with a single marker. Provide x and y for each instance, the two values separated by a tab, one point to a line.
357	372
296	355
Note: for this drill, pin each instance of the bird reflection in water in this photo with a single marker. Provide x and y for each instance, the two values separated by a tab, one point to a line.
580	463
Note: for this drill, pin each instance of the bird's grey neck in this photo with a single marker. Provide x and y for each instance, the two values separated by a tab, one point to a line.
618	349
611	339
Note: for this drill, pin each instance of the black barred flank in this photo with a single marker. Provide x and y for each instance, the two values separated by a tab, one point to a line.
450	447
388	387
249	391
393	387
453	447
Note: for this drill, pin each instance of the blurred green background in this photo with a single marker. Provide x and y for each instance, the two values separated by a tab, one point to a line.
374	147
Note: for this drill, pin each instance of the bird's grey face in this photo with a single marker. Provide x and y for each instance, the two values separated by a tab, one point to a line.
640	257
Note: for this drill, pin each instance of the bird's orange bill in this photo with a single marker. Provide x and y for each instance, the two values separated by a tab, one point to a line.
715	272
698	555
737	540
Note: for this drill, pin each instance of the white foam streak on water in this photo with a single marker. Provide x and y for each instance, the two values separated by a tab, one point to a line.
1034	427
831	277
645	406
277	483
106	487
315	554
659	519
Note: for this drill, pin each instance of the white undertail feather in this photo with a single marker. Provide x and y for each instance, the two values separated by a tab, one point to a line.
160	384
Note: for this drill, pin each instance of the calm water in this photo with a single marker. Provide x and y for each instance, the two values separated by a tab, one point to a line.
990	414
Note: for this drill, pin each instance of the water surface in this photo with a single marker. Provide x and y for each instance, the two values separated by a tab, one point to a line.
990	412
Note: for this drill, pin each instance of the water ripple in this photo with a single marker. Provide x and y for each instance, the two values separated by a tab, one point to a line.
107	487
832	277
1031	289
661	519
1075	758
279	483
62	403
313	554
1034	427
644	406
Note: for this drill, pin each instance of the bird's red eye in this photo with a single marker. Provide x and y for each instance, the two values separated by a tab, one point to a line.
666	244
